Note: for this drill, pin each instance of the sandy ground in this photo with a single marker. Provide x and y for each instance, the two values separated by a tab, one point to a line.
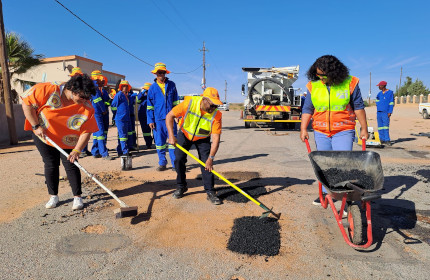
186	238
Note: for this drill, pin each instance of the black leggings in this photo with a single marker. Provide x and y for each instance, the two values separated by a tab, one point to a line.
51	157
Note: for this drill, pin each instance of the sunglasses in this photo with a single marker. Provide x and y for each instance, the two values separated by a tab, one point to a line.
212	106
321	76
161	73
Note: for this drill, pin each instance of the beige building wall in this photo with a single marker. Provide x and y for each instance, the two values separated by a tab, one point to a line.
58	69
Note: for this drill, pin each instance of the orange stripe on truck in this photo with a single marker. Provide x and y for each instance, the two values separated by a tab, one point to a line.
273	108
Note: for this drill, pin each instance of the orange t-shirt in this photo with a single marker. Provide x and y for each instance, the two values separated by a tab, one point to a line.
181	109
63	125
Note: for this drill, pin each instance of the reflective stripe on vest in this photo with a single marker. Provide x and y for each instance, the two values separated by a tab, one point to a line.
195	126
333	113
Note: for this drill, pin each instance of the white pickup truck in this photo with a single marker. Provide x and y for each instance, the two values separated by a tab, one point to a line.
424	109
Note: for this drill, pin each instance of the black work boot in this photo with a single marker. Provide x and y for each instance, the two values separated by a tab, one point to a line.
179	192
161	168
213	198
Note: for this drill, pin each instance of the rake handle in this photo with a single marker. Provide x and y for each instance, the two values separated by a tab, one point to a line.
227	181
122	204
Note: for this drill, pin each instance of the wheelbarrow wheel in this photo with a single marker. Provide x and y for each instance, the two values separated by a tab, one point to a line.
355	227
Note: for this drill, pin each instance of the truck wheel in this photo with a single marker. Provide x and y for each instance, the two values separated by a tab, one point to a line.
355	228
247	125
425	114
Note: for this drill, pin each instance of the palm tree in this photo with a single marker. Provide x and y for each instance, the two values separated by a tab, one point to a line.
21	58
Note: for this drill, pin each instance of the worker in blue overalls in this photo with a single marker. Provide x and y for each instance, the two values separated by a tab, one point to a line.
162	97
107	101
142	101
99	137
132	126
384	108
112	93
122	117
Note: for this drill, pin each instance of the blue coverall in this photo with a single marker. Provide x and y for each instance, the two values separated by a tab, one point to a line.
159	105
120	104
384	106
107	101
99	137
132	126
146	130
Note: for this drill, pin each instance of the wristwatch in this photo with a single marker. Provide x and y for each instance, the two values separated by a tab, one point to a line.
34	127
212	157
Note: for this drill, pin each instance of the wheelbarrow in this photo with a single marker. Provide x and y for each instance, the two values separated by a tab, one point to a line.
353	177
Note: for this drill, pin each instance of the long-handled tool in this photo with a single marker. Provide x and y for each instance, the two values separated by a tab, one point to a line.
124	210
267	210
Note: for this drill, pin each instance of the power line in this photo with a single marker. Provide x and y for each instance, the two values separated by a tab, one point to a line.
121	48
141	60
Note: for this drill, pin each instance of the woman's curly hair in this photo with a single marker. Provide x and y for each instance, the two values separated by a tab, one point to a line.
81	85
333	68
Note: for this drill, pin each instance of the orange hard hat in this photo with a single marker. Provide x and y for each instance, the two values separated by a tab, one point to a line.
213	95
124	82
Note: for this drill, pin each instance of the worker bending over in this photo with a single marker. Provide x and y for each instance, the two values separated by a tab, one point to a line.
199	119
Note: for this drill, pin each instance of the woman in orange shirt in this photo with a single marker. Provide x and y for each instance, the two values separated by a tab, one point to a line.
63	112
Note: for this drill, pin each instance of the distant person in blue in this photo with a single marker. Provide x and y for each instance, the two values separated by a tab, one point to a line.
101	110
132	125
384	108
162	97
142	101
120	103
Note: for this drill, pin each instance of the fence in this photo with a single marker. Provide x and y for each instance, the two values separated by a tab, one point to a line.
412	99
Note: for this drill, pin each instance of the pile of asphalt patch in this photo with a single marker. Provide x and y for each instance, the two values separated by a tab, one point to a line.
233	195
255	236
356	177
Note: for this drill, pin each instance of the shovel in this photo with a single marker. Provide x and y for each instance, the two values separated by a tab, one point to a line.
267	210
124	210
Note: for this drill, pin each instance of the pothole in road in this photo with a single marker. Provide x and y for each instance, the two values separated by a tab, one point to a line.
255	236
237	175
233	195
91	243
418	154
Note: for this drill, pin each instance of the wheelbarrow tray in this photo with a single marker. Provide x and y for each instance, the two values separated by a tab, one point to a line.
361	168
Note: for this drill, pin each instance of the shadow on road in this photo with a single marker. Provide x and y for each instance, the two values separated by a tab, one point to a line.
393	182
400	140
400	216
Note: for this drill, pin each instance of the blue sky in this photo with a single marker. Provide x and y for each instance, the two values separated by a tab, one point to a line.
368	36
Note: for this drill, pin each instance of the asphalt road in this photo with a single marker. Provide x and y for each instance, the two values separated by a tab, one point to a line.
169	240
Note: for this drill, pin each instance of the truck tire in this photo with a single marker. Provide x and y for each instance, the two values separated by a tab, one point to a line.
425	114
247	125
285	91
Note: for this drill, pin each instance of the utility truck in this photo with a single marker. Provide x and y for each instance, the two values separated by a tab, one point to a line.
270	98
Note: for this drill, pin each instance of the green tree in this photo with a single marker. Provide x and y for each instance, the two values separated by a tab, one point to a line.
20	57
404	89
418	88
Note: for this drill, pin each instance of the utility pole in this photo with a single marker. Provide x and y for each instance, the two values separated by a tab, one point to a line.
370	88
6	83
400	83
225	91
204	65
